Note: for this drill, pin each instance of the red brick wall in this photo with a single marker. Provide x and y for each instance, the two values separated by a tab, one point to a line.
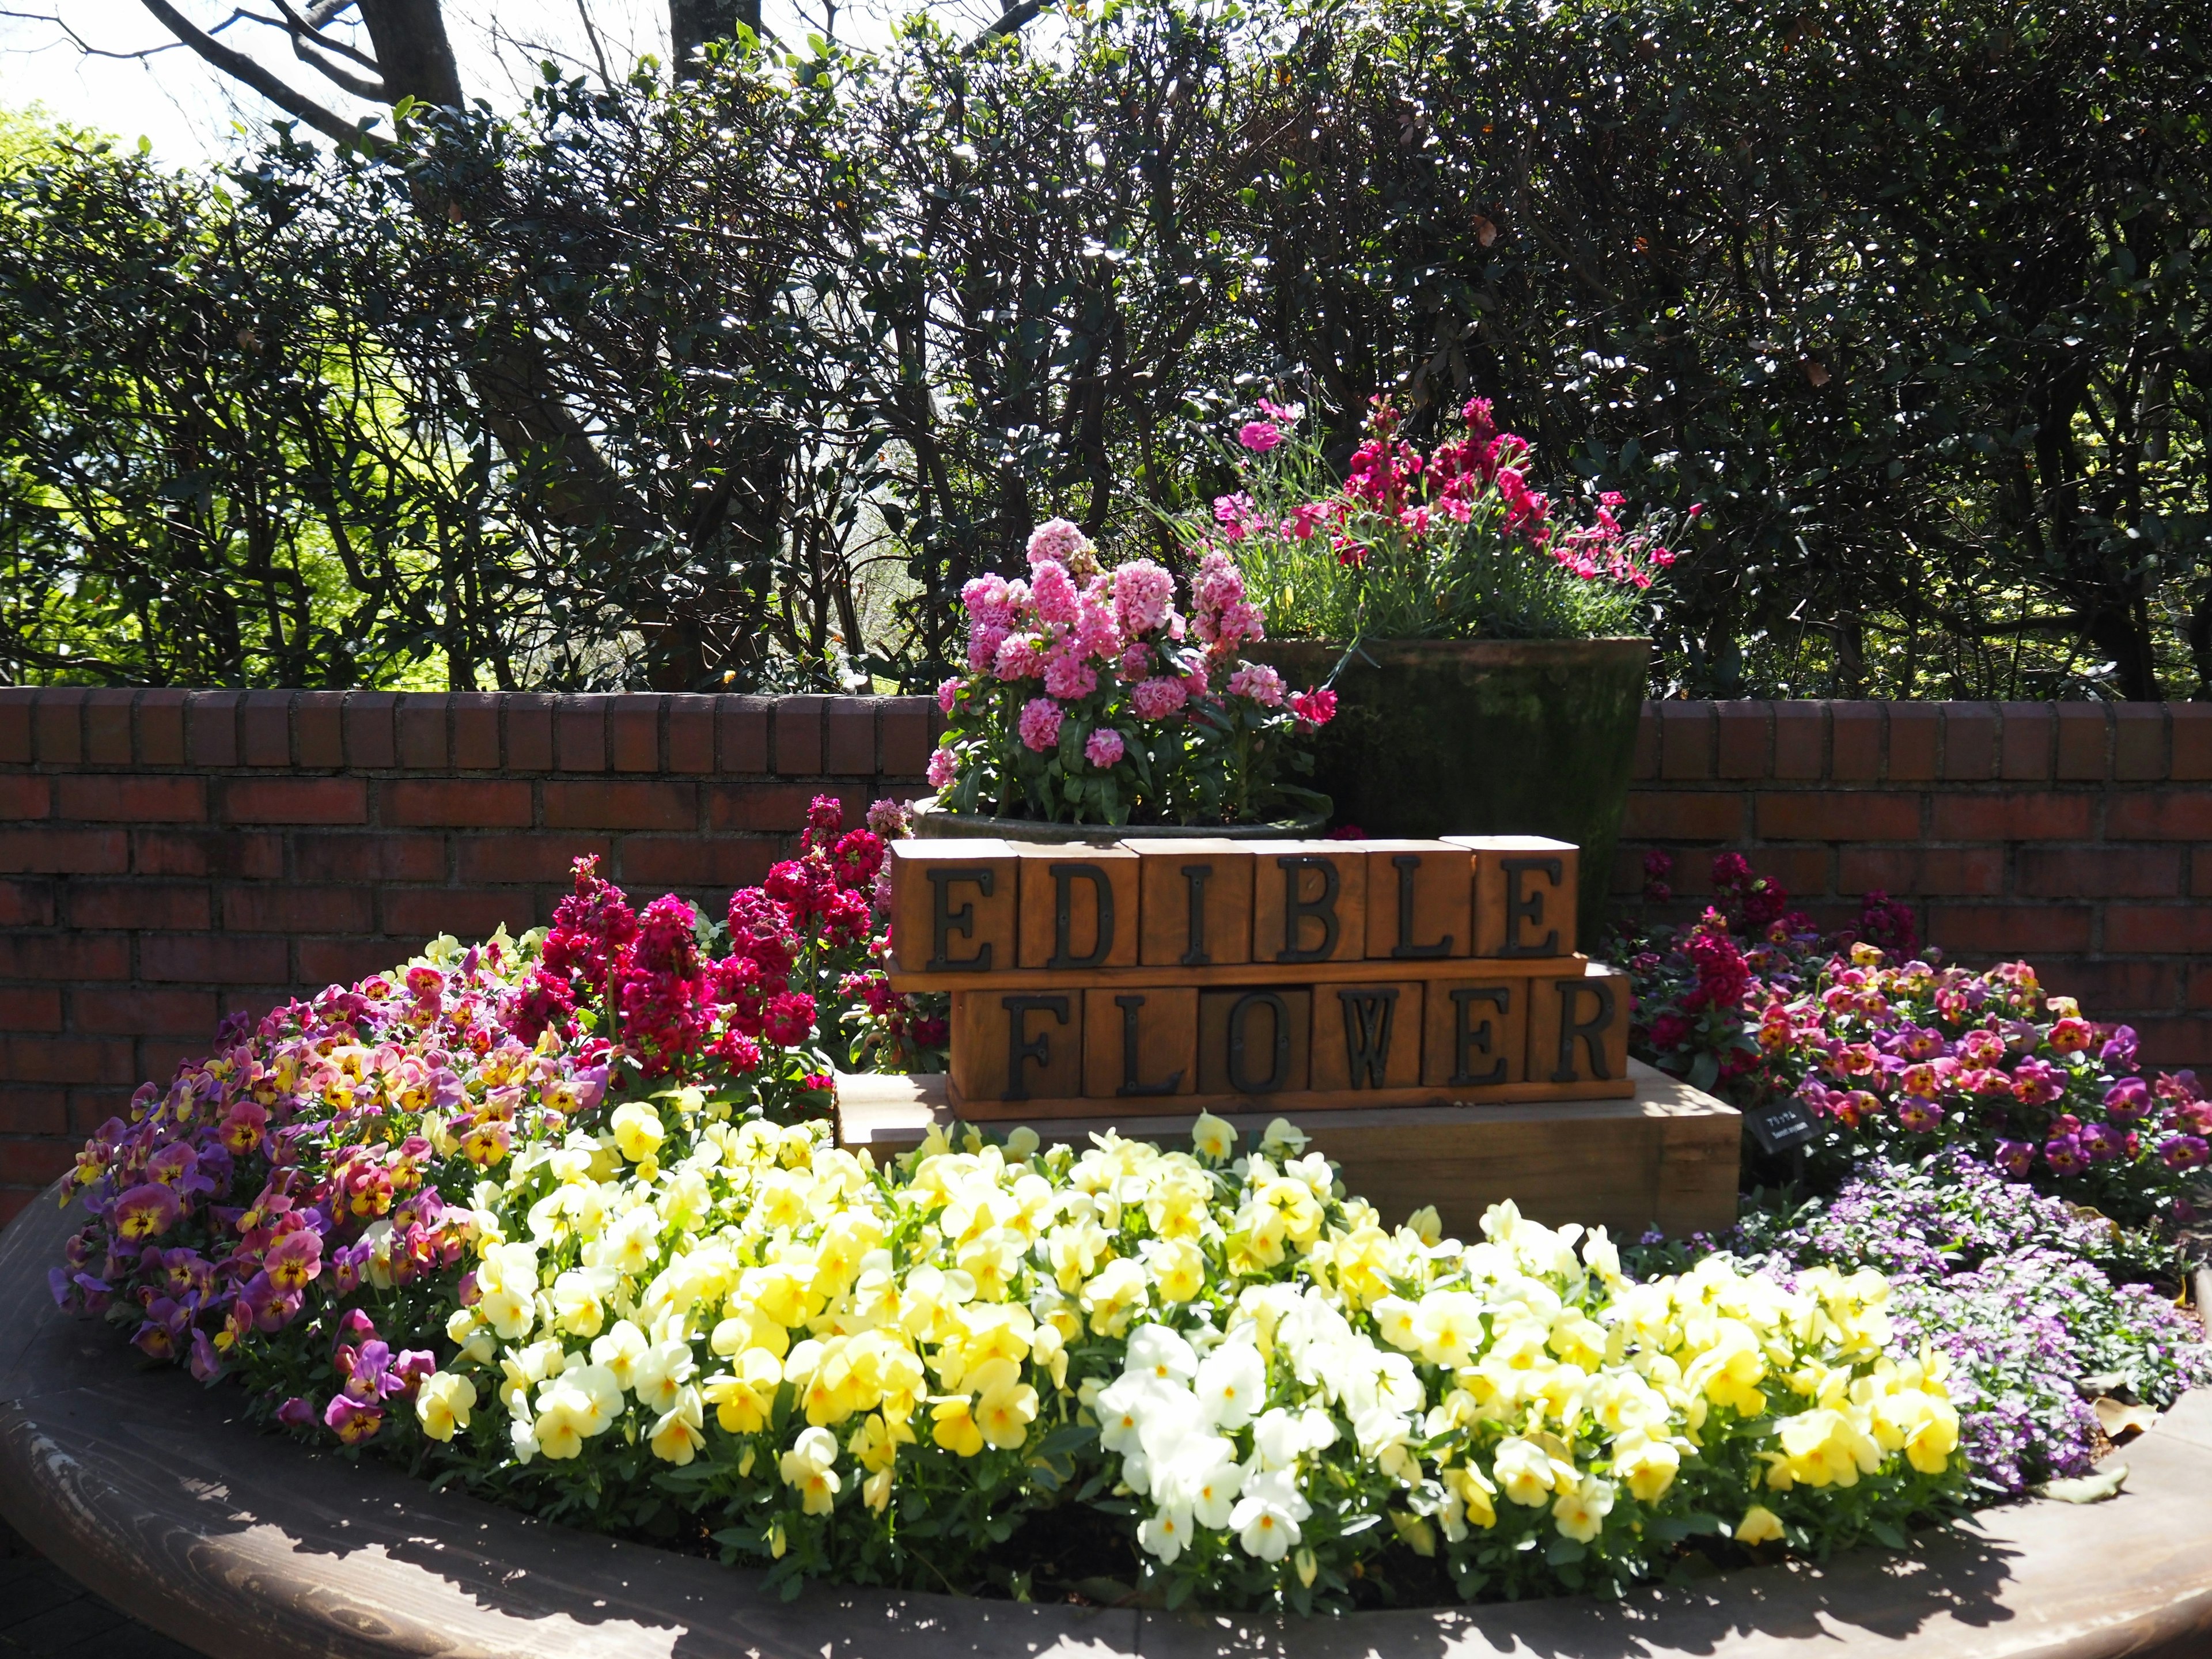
2078	836
167	856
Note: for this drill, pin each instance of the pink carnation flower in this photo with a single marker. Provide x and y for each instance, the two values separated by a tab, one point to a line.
1041	719
1314	709
1019	658
1156	699
943	768
1257	681
1259	436
1053	591
1057	540
1067	677
948	693
1104	748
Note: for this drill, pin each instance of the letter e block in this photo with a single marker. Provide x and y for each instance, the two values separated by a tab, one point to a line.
953	906
1367	1037
1078	907
1309	901
1420	900
1010	1046
1579	1026
1194	897
1139	1043
1524	895
1474	1033
1256	1041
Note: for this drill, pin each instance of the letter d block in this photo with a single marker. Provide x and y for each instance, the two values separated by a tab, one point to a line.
1309	901
1194	897
1367	1037
1013	1045
1475	1033
1524	895
1256	1041
1078	907
1140	1044
953	906
1579	1026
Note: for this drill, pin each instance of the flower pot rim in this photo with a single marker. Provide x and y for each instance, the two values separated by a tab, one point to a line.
1609	647
931	821
154	1489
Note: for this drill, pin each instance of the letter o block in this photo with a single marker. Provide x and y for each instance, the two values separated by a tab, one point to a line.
1579	1026
1009	1046
954	905
1254	1042
1367	1037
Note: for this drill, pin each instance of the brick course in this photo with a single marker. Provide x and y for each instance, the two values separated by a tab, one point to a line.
168	855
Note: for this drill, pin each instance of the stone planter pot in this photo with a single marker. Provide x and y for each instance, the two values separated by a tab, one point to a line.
932	821
245	1546
1481	737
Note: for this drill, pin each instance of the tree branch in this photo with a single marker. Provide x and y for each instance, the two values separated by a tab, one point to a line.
240	67
357	85
85	47
1009	22
308	26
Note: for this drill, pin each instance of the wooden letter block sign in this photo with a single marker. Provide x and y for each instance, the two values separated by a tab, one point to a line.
1255	1041
1309	901
1579	1026
1141	1044
1524	895
1421	896
1367	1037
1013	1045
1475	1033
1195	899
1079	908
953	906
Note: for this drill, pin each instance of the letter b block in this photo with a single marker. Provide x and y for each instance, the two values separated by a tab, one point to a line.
1309	901
1254	1043
1367	1037
1010	1046
1579	1026
1079	908
953	906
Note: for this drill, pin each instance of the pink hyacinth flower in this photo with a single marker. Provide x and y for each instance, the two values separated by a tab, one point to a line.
1057	540
1104	748
1258	682
1040	724
1068	676
1156	699
944	767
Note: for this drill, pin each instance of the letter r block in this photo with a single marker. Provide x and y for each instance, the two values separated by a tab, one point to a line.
1367	1035
1009	1046
1078	907
954	905
1579	1026
1524	895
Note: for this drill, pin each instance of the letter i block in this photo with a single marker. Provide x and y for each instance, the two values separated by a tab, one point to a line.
1524	895
1309	901
1579	1026
953	906
1140	1044
1256	1041
1420	900
1009	1046
1194	897
1078	907
1367	1037
1475	1033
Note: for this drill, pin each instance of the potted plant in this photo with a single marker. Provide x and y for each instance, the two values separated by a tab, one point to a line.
1485	648
1092	704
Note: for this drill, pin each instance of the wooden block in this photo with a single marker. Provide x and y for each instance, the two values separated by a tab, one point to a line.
1662	1154
1140	1045
1254	1042
1194	902
1475	1033
1078	907
1013	1045
1524	895
1367	1035
1309	901
953	906
1579	1026
1420	900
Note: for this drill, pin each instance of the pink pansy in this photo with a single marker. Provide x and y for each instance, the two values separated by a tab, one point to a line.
1104	747
1040	724
145	1212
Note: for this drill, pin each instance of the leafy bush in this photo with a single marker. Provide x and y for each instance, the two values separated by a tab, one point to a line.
1089	697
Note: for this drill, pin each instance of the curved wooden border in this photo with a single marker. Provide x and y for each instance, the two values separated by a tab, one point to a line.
149	1488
